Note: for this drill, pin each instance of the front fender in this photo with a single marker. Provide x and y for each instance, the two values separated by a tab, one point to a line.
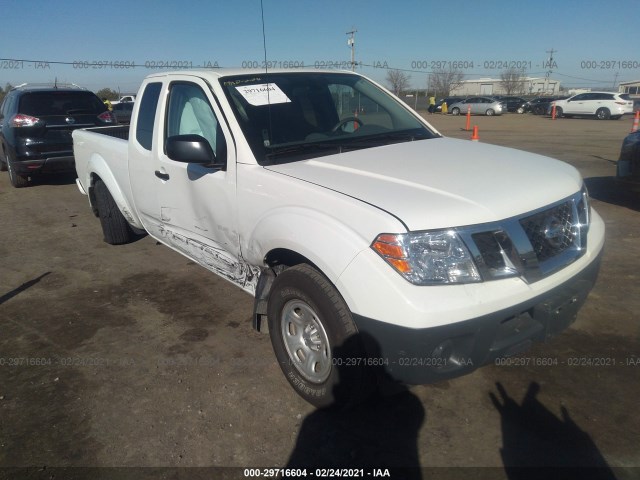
325	241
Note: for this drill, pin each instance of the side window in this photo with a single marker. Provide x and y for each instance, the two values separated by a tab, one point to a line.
147	114
190	113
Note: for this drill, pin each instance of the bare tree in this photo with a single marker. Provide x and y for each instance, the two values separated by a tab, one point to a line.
512	81
443	81
398	81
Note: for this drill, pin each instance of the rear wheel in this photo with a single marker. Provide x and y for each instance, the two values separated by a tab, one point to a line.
520	110
603	114
455	111
17	180
115	227
489	112
315	339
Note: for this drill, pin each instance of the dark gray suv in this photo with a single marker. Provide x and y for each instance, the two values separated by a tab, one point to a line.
35	129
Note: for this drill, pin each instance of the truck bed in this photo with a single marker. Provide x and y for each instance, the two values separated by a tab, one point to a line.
117	131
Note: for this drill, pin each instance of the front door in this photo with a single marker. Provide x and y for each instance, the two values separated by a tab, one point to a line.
197	207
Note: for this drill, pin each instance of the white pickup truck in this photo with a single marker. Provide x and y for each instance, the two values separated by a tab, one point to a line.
370	241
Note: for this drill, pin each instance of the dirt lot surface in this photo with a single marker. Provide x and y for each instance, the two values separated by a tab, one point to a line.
133	356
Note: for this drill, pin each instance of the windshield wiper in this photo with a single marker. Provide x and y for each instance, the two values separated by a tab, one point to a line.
387	138
302	148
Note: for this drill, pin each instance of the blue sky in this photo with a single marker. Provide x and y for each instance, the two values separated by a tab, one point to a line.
594	40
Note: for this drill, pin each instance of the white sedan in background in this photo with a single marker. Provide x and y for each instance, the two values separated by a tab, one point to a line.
479	106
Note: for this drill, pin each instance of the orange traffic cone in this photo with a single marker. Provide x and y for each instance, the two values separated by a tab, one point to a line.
474	136
636	122
468	127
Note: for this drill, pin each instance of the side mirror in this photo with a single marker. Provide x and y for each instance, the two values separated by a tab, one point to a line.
190	149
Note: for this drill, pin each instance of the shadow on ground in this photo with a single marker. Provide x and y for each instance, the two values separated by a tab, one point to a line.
380	433
25	286
537	444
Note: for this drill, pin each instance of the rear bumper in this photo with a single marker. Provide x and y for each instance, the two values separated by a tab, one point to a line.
428	355
62	164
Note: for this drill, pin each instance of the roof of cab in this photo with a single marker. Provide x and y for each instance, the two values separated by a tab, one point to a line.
231	72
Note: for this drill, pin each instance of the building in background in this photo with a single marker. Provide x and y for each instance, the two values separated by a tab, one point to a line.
632	88
494	86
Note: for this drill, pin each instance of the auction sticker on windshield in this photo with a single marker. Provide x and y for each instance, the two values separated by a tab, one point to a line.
263	94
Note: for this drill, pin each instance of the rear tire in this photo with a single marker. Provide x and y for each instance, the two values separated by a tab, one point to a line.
455	111
489	112
17	180
316	340
603	114
115	227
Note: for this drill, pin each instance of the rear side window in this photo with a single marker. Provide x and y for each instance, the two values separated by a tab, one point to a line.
147	114
60	103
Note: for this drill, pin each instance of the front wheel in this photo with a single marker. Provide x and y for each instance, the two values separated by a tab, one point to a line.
315	339
455	111
558	112
520	110
489	112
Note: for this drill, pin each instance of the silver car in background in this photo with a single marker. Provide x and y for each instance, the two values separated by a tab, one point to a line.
479	106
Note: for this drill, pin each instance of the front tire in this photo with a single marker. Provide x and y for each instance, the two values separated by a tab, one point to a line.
558	112
115	227
455	111
489	112
315	339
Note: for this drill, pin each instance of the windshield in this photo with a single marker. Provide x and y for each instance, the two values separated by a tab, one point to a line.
292	116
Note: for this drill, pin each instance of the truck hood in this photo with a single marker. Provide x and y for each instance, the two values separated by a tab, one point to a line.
442	182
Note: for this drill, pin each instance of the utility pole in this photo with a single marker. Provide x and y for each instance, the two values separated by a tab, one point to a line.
615	80
351	41
549	72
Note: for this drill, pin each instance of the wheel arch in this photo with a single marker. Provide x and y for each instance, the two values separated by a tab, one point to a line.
97	169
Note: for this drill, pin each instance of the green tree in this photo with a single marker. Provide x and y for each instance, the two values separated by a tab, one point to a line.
108	94
4	91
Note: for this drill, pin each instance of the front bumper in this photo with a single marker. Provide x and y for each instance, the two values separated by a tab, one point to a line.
428	355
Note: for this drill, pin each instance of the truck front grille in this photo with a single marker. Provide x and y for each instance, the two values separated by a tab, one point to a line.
551	231
534	245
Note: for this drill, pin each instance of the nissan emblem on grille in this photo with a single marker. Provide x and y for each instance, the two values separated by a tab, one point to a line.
70	120
555	232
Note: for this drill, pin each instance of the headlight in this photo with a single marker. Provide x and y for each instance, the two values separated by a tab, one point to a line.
428	258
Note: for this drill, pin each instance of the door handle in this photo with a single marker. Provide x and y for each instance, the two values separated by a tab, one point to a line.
162	176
